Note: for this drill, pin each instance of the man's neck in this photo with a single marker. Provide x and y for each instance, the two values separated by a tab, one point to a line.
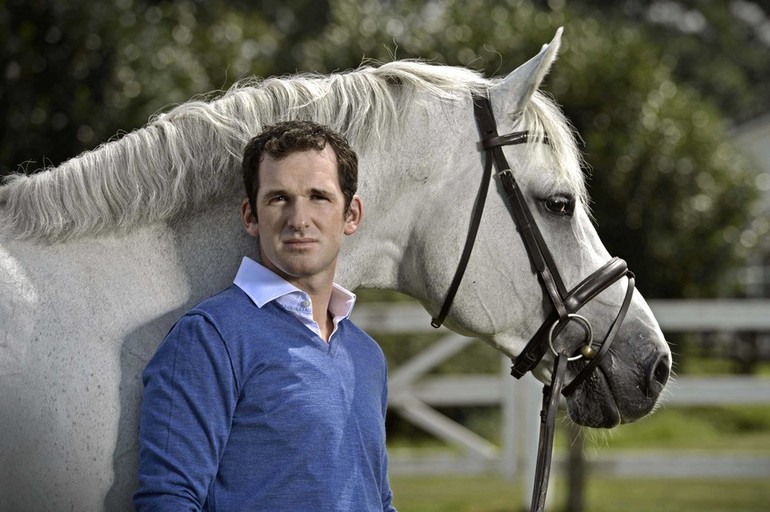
320	292
319	287
320	297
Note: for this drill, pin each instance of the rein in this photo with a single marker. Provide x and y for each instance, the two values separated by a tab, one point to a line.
565	304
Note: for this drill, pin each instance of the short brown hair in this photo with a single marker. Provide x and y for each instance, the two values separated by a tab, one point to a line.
282	139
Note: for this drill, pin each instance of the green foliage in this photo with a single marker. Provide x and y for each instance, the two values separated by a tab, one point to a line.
718	48
650	87
79	72
490	493
734	429
672	196
54	59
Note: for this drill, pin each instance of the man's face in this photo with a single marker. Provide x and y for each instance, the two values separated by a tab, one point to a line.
302	221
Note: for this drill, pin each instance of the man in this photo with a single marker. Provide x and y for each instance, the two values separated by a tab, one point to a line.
266	397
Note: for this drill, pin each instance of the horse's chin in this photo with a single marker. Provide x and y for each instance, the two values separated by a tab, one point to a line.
593	403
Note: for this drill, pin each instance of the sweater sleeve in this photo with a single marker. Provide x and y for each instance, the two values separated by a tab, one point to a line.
190	392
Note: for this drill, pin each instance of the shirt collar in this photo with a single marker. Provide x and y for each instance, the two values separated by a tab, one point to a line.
263	286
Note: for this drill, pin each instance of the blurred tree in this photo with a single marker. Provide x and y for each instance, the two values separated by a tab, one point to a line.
718	48
671	195
54	66
76	73
646	83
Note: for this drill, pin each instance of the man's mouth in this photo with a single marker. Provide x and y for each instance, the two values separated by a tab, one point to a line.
300	243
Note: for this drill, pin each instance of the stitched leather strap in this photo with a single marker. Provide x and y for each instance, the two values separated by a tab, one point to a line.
470	239
551	397
593	363
488	132
584	292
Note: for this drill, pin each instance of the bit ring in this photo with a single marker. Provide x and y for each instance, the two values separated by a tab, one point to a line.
584	323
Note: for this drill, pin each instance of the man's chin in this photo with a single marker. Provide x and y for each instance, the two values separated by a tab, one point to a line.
299	269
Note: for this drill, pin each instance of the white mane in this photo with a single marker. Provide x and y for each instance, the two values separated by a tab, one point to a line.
190	156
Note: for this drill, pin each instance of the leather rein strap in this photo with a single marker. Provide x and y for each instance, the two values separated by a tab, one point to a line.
565	304
551	397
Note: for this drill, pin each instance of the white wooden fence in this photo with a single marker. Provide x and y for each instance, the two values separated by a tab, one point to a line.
415	395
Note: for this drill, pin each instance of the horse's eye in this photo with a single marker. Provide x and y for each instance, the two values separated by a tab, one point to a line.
560	204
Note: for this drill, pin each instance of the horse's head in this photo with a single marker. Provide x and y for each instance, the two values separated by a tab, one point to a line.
502	297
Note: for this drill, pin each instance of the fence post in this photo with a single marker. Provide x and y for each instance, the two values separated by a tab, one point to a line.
530	398
509	456
576	470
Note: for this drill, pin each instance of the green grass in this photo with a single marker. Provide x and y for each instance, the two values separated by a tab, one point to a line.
493	494
728	428
734	429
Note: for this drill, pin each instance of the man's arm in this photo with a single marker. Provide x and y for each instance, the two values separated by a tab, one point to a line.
189	399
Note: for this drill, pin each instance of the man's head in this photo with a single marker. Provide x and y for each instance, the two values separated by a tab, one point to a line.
282	139
300	178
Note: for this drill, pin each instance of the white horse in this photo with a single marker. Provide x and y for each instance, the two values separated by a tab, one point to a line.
100	256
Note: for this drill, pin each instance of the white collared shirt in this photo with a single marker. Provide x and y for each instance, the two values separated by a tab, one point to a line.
263	286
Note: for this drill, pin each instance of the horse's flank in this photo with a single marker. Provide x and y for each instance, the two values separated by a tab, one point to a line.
189	157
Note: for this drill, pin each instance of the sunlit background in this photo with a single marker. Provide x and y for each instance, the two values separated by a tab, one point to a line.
671	99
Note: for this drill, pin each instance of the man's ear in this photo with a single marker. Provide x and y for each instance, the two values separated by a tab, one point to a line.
248	219
354	216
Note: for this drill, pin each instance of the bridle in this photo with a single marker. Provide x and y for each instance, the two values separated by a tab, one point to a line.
565	304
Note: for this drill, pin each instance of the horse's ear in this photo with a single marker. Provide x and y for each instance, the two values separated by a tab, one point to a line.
514	92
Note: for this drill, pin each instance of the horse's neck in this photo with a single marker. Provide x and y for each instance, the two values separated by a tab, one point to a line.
371	258
209	246
410	191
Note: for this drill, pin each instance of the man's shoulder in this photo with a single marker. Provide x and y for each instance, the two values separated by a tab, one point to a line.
232	310
223	301
218	309
351	330
354	330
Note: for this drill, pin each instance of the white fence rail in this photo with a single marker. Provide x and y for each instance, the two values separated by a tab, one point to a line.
414	395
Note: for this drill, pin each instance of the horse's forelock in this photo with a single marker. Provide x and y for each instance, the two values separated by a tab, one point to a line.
543	116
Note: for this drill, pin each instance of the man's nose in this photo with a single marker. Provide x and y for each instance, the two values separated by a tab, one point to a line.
298	215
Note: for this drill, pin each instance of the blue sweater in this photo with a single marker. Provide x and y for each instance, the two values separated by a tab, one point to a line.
245	409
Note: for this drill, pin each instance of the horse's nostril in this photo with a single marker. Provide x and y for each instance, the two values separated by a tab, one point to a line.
658	373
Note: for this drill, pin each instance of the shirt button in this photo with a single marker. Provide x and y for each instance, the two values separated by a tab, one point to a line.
305	304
